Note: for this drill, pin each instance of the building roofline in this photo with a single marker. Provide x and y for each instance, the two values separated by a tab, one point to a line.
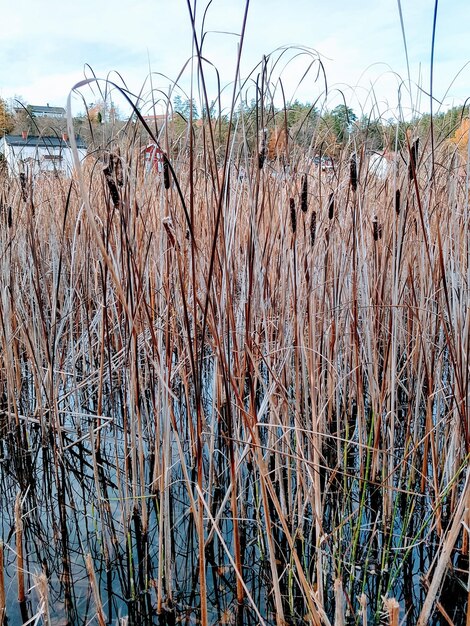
41	141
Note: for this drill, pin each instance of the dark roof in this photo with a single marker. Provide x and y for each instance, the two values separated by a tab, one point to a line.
159	117
42	142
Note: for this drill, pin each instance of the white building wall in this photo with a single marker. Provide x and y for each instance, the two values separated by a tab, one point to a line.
68	162
41	159
380	165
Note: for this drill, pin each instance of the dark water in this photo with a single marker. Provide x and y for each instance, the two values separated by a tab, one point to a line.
107	503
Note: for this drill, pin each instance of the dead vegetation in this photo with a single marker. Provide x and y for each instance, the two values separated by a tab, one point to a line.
236	398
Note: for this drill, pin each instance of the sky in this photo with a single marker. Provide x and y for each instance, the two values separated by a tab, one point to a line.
47	48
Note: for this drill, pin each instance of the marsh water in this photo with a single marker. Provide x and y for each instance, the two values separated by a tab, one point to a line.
80	494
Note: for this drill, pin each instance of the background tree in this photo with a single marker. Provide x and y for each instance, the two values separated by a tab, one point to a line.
185	107
342	119
302	122
182	110
6	119
371	133
25	120
178	105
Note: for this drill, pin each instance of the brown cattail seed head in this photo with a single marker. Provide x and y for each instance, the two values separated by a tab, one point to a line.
166	172
313	228
377	229
262	148
304	194
331	206
113	190
353	171
118	171
413	159
24	191
397	202
293	216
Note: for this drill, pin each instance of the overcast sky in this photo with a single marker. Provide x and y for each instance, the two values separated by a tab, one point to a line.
45	48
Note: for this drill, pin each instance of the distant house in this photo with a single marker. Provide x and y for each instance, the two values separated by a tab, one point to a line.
159	120
33	155
43	111
154	157
381	164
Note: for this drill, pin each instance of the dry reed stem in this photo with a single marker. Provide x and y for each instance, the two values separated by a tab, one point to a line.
3	605
468	609
19	549
238	573
340	606
41	586
100	615
393	610
341	336
439	606
363	604
446	550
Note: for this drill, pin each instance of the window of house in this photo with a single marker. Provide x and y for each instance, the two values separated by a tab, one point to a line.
52	157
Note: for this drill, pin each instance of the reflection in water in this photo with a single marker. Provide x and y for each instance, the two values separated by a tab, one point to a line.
85	491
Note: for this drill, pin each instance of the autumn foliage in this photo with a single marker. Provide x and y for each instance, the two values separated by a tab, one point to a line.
6	120
460	137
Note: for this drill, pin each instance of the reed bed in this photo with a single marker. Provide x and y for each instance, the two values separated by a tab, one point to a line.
235	398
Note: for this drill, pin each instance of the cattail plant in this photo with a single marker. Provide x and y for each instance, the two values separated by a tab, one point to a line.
113	190
293	215
42	590
397	202
262	149
340	605
194	382
313	228
118	171
376	229
3	605
101	617
166	172
331	206
304	194
353	171
24	189
363	605
412	165
19	549
393	611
